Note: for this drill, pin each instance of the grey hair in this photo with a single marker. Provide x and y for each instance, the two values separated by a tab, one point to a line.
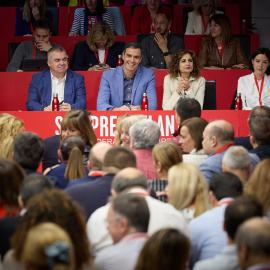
145	133
237	158
56	48
199	3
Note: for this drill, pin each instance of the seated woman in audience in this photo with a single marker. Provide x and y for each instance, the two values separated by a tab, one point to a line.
144	15
220	50
165	155
32	11
191	137
183	80
11	177
94	12
71	154
258	185
187	190
48	246
165	249
117	132
99	52
57	207
198	20
255	88
125	126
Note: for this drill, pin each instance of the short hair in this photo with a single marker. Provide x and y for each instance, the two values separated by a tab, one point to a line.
199	3
259	111
224	22
224	134
134	208
166	249
237	158
28	150
56	48
264	51
164	14
97	33
225	184
145	133
195	126
43	24
33	184
118	158
187	108
100	7
260	130
256	237
48	244
132	45
120	184
173	68
238	211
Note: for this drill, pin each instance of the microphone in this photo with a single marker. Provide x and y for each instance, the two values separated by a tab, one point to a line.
40	97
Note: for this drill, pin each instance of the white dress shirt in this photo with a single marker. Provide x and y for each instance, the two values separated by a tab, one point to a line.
58	87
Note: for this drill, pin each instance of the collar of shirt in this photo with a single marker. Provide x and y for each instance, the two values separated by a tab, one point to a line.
140	191
54	78
22	212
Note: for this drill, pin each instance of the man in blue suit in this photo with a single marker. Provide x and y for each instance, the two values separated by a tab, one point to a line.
122	89
58	79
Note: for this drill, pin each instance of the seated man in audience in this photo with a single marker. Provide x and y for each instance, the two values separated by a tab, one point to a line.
122	89
238	211
58	79
237	161
218	136
253	244
37	48
158	48
260	136
207	234
162	215
128	219
144	135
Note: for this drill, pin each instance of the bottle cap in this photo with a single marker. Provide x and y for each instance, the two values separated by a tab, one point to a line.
55	95
119	56
243	20
144	94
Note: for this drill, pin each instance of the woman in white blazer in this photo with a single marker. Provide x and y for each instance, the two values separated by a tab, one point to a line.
255	88
198	20
183	80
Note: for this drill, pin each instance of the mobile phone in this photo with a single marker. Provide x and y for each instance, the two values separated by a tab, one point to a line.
102	64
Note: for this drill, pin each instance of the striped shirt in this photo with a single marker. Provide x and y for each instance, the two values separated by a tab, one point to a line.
78	23
158	185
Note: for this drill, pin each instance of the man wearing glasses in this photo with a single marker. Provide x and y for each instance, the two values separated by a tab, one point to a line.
59	80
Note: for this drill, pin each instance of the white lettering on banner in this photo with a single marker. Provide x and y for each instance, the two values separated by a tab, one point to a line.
112	124
58	120
104	130
169	125
160	124
94	121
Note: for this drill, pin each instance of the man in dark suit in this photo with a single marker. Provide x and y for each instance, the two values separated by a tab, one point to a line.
59	80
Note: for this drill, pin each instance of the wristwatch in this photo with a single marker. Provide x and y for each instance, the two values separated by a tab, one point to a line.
166	53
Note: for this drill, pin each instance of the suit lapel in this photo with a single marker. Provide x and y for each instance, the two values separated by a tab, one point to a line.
47	88
136	82
68	88
120	84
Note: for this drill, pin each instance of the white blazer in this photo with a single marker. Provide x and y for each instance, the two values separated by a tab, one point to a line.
195	25
170	96
249	92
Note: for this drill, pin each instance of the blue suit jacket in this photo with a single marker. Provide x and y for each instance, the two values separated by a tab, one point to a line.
111	89
41	85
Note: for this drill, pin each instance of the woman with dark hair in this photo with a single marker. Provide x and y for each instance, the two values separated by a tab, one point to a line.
94	12
26	17
183	80
255	87
220	50
99	52
57	207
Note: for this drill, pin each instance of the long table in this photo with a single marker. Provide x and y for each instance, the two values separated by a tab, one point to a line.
47	124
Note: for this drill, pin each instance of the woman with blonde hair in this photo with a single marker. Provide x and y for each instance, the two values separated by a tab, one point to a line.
117	132
258	185
48	247
72	167
187	190
26	17
99	52
184	80
165	155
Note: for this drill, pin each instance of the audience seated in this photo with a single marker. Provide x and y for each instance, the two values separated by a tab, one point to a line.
29	14
183	80
118	130
99	52
158	48
219	50
208	237
94	12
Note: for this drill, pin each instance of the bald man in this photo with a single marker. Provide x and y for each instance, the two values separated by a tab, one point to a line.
218	136
94	164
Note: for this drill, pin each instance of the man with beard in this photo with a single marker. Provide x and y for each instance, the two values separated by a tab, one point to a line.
158	48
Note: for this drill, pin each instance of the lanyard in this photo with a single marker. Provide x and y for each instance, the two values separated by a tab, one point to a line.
205	24
90	22
35	51
95	173
221	51
105	58
152	28
31	27
225	202
224	148
259	90
136	236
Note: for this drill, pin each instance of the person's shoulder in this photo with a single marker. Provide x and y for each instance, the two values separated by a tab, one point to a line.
193	14
42	74
74	74
145	71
